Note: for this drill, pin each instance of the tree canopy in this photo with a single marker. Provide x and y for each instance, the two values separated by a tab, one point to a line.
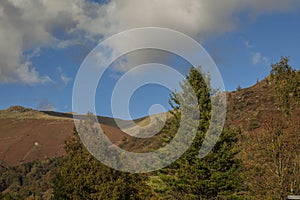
218	175
83	177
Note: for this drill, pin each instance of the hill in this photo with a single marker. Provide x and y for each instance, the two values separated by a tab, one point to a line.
32	143
253	108
27	135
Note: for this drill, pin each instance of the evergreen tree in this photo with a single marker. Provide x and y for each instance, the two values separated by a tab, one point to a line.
287	84
218	175
83	177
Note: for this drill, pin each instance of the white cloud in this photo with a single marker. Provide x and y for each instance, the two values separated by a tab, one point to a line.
248	44
28	74
198	18
28	25
258	58
63	77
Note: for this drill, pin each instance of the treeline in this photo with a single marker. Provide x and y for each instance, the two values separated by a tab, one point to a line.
240	166
30	180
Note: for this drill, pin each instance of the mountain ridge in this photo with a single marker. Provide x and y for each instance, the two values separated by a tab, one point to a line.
27	135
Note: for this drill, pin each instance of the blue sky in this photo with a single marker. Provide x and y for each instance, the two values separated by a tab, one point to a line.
39	58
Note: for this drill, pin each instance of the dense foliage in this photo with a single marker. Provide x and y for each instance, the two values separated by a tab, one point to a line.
218	175
29	181
81	176
287	84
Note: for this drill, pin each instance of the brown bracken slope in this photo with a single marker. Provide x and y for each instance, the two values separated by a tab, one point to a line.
251	108
27	135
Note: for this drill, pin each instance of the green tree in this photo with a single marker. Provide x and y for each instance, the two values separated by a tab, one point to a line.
287	84
83	177
218	175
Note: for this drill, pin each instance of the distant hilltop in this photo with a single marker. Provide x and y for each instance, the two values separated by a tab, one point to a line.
18	109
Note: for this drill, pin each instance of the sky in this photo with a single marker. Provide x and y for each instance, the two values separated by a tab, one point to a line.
43	44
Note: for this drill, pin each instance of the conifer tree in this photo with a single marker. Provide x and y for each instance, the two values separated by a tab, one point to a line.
287	84
83	177
218	175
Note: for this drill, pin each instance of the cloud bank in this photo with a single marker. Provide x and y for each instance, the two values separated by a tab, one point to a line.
28	25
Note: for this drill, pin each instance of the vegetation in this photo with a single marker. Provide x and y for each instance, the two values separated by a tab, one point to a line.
287	84
256	159
271	157
81	176
29	181
218	175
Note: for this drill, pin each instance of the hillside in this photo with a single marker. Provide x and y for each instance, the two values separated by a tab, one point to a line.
32	145
27	135
252	108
